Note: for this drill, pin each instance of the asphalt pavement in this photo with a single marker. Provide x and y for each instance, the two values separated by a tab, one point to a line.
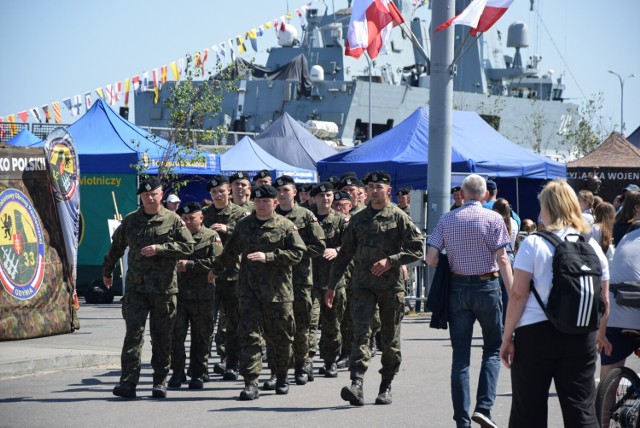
66	380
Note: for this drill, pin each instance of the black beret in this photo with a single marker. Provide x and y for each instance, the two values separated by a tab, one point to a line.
350	181
148	185
305	187
262	174
333	180
349	174
341	195
189	208
264	191
455	189
377	177
325	186
240	175
216	181
284	179
403	191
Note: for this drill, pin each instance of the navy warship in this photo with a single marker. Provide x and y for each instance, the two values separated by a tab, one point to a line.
310	77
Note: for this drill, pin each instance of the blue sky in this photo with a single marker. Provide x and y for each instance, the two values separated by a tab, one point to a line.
57	49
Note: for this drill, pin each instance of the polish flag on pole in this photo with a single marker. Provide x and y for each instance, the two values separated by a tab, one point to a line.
480	15
370	25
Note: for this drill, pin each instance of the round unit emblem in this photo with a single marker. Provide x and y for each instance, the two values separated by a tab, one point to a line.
21	245
64	168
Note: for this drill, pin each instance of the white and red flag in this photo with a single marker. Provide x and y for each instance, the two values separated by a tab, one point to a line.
370	26
480	15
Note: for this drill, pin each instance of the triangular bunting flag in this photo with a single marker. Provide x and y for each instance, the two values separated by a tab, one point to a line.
36	114
24	116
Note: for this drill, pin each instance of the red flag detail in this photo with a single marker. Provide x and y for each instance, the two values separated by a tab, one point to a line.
369	20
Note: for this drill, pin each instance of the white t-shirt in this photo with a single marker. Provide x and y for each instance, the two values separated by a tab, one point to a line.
625	267
514	233
535	256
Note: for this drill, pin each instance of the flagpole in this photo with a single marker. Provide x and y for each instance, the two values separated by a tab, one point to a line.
414	40
370	134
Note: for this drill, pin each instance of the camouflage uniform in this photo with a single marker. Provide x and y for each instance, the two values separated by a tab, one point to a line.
195	305
226	294
371	236
265	290
313	237
357	208
151	286
334	225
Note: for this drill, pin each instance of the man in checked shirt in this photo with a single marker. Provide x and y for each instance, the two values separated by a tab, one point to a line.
475	240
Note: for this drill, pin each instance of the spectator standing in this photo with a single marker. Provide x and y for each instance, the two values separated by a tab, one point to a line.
534	350
476	241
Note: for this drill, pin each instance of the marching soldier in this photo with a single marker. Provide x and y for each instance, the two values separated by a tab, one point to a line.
157	239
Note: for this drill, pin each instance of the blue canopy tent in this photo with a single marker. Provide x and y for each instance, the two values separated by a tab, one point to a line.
24	139
249	157
475	148
290	142
108	143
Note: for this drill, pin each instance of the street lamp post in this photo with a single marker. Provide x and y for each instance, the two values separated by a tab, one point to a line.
621	79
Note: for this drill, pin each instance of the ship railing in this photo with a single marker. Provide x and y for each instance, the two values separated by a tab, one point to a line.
199	136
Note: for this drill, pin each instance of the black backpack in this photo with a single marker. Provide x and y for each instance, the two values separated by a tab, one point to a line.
575	305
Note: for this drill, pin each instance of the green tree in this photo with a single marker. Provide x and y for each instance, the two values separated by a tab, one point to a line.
590	129
193	102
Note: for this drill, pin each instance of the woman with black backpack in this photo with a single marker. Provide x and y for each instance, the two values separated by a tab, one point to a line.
540	343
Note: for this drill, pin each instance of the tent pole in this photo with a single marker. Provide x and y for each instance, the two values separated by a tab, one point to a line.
517	194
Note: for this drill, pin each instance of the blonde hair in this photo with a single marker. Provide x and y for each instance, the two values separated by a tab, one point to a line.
561	203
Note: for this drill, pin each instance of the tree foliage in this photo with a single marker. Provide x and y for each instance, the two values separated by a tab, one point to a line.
590	129
193	102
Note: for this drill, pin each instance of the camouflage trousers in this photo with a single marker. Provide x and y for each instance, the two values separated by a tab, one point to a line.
228	293
346	326
363	307
198	314
161	309
272	322
218	318
302	316
330	318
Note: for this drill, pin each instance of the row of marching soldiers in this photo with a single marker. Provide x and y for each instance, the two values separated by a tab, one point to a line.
278	270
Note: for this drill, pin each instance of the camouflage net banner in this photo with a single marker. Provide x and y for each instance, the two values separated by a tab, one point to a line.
35	295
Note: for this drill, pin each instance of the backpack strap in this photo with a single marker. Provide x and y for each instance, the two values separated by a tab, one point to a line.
555	241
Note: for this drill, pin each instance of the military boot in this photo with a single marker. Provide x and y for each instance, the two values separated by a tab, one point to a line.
177	379
282	385
330	369
384	393
343	361
125	390
270	385
219	368
159	390
250	392
230	374
301	375
353	394
196	383
308	367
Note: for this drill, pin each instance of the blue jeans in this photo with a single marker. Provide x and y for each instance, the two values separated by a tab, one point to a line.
474	299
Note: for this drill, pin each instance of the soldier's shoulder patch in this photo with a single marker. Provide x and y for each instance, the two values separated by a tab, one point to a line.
315	219
295	228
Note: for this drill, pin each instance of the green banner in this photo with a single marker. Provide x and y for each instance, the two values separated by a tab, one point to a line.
96	207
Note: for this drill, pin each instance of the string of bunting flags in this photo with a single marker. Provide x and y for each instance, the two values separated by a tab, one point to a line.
117	92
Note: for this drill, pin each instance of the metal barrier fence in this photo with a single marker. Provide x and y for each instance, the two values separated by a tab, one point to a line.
417	286
42	130
8	130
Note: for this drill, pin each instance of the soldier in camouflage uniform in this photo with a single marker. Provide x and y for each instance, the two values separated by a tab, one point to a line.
222	217
241	191
342	204
334	224
157	239
268	245
304	197
404	199
313	237
262	177
379	240
352	186
195	300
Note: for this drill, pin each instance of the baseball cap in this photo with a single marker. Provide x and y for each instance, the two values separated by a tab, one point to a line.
632	188
173	198
491	185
